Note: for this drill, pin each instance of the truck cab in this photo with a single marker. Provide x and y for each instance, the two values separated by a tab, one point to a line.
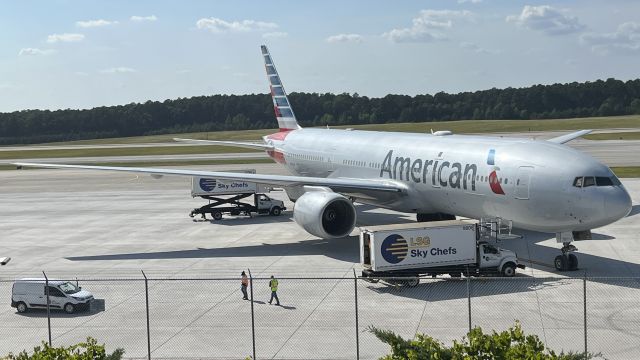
497	260
265	204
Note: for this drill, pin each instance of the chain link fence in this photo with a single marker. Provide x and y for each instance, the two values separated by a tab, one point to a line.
328	318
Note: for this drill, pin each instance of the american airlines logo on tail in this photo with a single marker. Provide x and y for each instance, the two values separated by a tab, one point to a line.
284	112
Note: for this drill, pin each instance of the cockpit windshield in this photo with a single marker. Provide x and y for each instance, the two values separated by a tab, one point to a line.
586	181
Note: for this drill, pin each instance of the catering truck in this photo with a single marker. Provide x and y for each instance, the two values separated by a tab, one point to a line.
225	197
412	250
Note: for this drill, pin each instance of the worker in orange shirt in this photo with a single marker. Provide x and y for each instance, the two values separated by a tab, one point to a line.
243	285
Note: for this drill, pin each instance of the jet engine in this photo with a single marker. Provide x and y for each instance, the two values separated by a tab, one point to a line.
325	214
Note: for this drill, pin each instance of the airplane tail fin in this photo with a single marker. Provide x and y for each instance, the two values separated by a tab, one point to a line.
284	113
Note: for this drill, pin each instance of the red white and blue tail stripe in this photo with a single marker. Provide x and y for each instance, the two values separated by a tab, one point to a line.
284	112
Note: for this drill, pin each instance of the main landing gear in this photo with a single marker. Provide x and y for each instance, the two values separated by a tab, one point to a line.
566	261
434	217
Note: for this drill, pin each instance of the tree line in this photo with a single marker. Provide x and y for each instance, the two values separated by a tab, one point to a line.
255	111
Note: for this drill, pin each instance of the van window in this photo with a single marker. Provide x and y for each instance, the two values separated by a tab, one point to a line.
55	292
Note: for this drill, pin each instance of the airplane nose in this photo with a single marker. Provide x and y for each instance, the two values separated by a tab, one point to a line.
618	205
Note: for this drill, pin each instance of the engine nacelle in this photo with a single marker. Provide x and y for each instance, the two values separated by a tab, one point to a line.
325	214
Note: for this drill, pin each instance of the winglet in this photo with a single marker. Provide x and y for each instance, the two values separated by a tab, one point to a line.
286	118
568	137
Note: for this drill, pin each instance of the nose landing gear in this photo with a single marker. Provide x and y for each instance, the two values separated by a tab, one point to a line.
566	261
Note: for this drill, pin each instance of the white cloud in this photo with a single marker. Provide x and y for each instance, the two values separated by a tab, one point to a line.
143	18
428	26
477	49
216	25
275	35
626	39
94	23
344	38
66	37
34	52
118	70
81	73
469	1
547	19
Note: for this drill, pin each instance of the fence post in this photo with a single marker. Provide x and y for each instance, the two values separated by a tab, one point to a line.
469	298
146	297
584	296
355	287
46	290
253	325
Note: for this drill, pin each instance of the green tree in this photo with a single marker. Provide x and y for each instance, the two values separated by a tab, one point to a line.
512	344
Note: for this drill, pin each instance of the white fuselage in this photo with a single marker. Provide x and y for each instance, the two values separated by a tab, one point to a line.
528	182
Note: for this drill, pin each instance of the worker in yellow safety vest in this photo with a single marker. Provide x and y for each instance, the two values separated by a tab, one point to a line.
273	284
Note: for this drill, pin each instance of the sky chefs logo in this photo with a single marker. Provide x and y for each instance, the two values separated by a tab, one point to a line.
394	248
207	184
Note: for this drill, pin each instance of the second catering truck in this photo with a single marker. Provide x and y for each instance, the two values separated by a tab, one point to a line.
443	247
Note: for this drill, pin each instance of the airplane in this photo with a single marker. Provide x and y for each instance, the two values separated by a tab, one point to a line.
539	185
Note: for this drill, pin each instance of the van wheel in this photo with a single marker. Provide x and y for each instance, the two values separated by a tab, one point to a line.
217	215
509	270
276	211
69	308
22	307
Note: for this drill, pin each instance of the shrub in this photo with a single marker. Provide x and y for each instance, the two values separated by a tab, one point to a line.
476	345
89	350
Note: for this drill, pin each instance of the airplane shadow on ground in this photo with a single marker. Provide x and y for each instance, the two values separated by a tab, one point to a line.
531	252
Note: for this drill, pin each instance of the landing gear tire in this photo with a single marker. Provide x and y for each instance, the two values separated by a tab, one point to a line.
217	215
561	263
572	262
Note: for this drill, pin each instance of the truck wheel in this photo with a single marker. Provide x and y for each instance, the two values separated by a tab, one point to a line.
22	307
509	270
412	282
69	308
573	262
560	263
217	215
276	211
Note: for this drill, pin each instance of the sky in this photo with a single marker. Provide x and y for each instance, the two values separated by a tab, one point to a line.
60	54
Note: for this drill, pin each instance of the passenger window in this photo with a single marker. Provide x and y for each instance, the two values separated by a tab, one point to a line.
589	181
488	249
577	182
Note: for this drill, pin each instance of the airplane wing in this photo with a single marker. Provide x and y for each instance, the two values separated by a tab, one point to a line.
568	137
247	145
341	185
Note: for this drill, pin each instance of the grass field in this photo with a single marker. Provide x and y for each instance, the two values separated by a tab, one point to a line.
164	163
614	136
627	171
124	151
463	126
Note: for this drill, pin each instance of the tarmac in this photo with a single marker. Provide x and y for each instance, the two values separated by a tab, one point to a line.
111	226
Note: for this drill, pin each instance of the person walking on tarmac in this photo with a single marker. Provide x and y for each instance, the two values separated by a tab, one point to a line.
243	285
273	284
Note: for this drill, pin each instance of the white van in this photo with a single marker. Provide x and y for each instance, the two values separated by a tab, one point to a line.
64	295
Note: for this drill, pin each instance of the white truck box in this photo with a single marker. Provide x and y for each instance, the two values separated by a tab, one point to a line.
418	245
201	186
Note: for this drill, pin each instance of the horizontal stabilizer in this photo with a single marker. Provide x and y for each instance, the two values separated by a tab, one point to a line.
247	145
568	137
